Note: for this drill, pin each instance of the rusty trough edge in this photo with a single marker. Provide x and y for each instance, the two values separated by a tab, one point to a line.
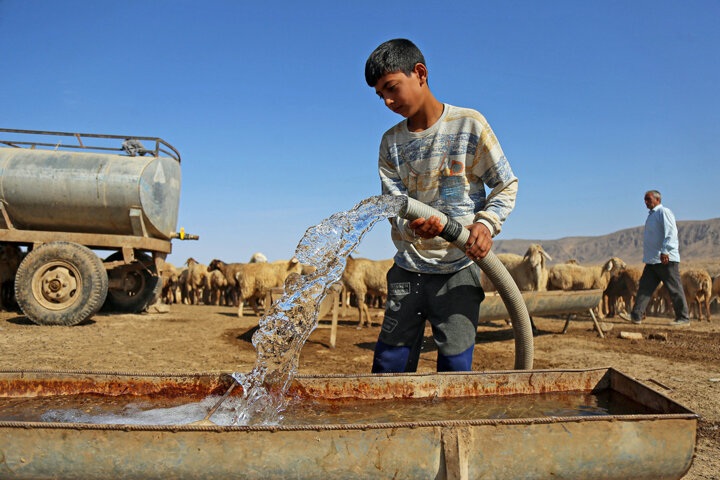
689	415
300	376
350	426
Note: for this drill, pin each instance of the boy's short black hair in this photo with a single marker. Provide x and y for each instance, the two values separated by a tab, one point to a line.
397	55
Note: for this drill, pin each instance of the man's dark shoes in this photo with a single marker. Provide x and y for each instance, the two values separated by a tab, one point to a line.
680	322
628	318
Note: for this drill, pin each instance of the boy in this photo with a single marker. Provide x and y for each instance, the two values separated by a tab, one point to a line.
441	155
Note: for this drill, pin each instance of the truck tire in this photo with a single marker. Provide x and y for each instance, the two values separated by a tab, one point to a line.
60	283
145	287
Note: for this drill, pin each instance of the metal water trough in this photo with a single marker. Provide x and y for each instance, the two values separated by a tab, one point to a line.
652	446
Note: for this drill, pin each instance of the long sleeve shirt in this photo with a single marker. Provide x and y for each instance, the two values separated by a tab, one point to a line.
447	167
660	236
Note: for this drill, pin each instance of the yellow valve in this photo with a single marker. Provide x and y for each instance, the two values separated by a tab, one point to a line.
182	233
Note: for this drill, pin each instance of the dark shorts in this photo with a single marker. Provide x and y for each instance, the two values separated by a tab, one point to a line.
451	302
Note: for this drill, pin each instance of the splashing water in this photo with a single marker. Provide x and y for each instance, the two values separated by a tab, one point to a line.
290	321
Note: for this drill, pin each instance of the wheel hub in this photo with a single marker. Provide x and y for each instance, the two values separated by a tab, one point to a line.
58	285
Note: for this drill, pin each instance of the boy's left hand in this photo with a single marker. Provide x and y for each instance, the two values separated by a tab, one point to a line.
479	242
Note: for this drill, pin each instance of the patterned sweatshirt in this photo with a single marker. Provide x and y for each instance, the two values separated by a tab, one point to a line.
446	167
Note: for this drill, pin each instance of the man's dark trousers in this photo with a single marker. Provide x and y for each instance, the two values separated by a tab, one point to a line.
652	275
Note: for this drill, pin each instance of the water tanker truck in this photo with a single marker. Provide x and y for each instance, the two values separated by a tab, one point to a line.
63	200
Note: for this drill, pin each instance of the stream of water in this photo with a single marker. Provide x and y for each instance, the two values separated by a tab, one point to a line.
289	321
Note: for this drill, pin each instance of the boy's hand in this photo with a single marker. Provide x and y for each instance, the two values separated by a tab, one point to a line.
479	242
429	228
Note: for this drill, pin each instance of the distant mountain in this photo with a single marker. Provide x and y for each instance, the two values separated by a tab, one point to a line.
699	240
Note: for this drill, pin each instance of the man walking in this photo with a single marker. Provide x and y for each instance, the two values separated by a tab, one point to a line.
661	257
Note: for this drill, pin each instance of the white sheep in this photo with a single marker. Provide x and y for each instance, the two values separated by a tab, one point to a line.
258	258
257	279
363	276
697	285
529	271
568	276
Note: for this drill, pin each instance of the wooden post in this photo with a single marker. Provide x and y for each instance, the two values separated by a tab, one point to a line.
567	323
597	325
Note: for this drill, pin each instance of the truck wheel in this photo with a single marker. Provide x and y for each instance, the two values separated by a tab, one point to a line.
141	288
60	283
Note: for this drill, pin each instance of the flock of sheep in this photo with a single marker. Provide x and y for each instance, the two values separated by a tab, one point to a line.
364	280
235	284
618	281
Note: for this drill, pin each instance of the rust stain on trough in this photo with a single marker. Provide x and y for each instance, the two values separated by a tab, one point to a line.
30	386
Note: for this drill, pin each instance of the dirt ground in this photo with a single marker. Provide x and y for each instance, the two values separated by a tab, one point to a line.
192	339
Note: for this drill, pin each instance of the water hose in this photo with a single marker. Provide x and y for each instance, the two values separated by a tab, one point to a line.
456	234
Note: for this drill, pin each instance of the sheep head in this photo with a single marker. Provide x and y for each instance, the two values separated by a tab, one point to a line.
215	265
535	259
614	265
536	256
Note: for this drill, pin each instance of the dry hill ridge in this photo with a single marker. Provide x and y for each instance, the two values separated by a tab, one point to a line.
699	240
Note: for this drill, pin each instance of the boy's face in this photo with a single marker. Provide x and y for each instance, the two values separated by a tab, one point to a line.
403	94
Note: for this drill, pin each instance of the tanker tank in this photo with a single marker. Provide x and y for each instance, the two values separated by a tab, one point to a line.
89	192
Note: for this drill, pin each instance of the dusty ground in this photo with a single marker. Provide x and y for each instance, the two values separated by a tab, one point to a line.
212	339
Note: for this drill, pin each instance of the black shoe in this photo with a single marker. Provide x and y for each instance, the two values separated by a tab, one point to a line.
680	322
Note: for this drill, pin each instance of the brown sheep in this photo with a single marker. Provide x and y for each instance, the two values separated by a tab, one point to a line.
231	271
715	289
195	281
615	295
697	285
363	276
622	286
660	303
215	288
170	276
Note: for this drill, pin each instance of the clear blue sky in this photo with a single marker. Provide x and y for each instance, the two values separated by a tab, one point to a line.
593	103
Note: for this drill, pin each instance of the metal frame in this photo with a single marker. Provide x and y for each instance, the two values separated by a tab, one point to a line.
90	240
159	142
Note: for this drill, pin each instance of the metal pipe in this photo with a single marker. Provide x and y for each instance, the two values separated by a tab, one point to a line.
454	233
